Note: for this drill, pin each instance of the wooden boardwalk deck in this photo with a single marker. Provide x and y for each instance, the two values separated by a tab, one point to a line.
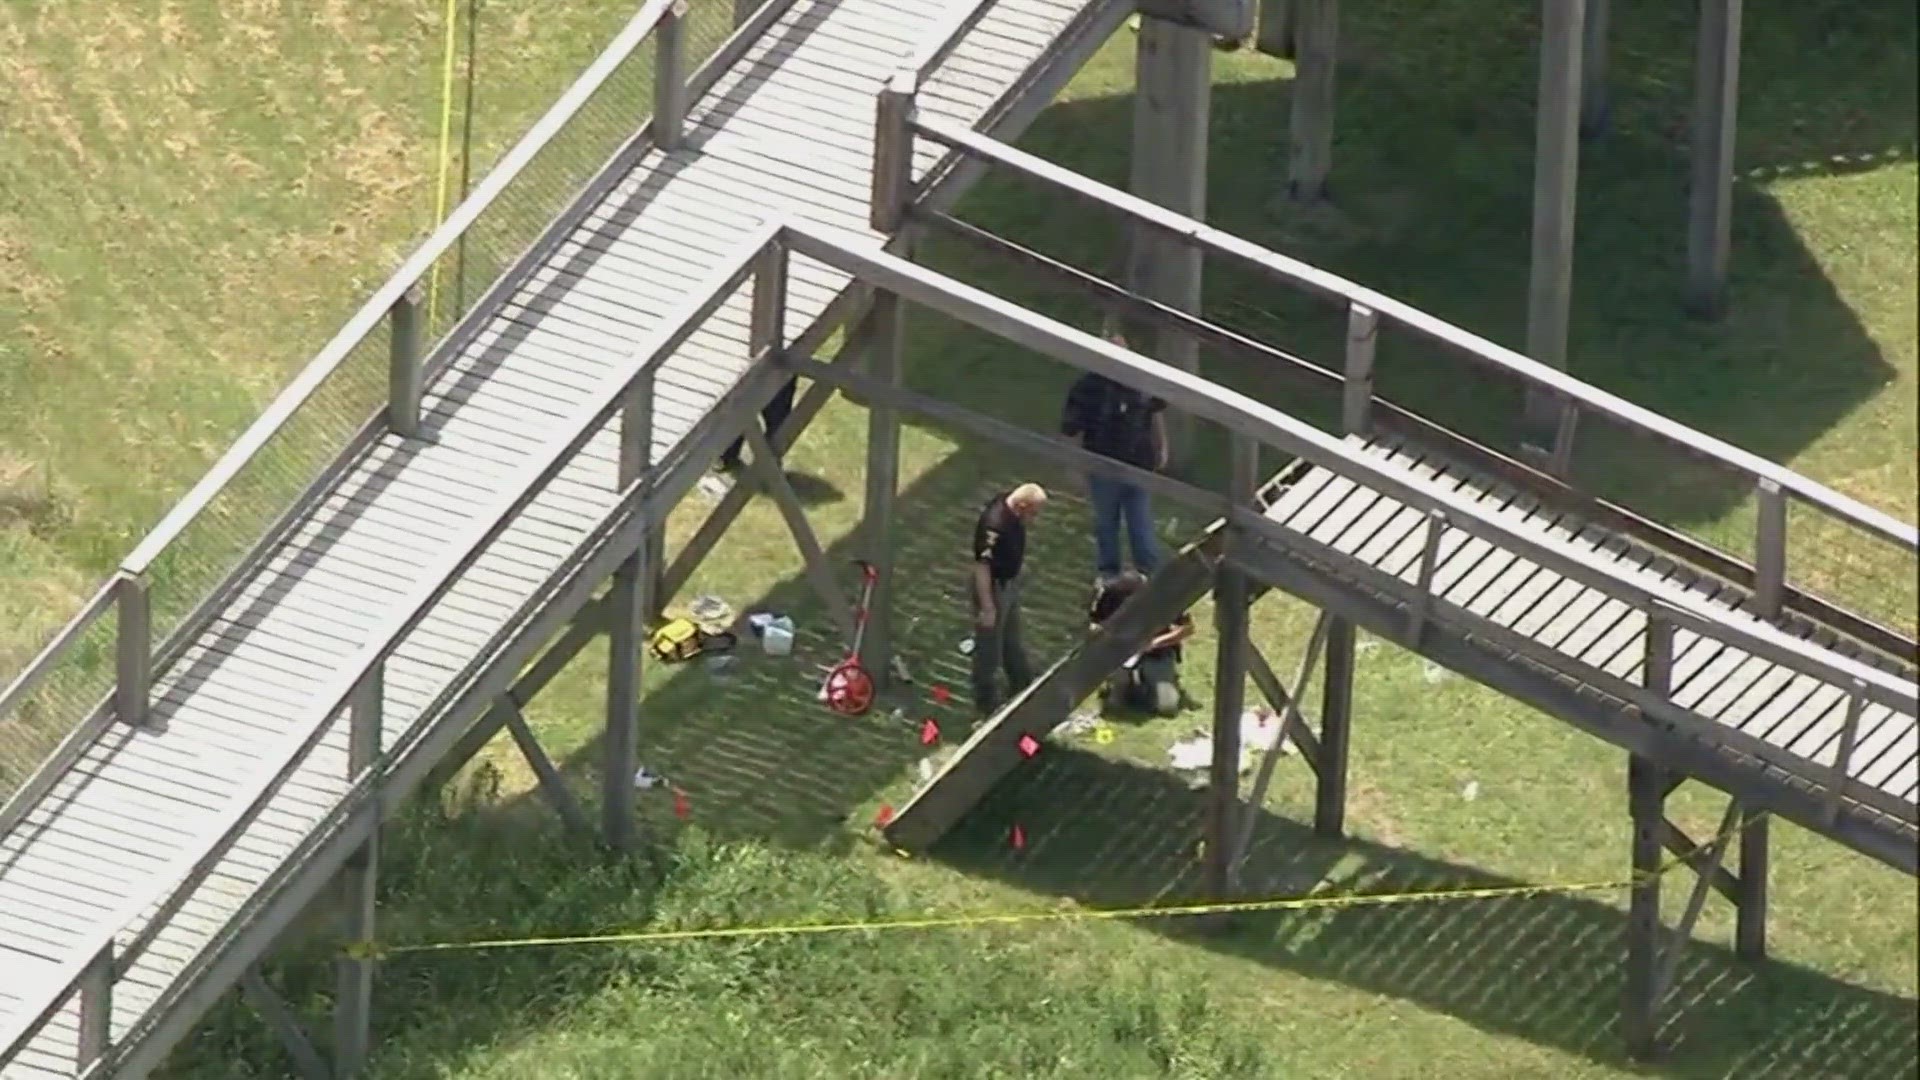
1796	713
787	132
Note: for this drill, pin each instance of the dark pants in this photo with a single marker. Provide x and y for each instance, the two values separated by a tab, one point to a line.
1117	503
771	417
998	647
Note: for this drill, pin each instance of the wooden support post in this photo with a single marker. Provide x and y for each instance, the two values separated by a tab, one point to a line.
404	364
353	996
1172	99
1750	920
628	609
1556	171
1277	35
133	649
670	78
1310	155
1422	605
1363	335
1595	108
884	364
1232	602
1646	802
1716	97
892	153
95	1032
1336	714
1769	549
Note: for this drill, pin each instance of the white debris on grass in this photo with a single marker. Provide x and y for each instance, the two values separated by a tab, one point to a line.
1434	674
1471	791
925	768
1259	730
710	609
1080	723
647	781
966	646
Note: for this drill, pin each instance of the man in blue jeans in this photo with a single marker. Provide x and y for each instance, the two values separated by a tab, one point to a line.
1119	422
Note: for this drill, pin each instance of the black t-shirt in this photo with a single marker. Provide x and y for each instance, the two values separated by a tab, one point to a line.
1000	539
1108	599
1115	420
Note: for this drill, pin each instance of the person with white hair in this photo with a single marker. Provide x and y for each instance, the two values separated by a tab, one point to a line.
993	586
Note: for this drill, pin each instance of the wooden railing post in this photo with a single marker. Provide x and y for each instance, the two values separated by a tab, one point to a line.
670	78
1657	664
1363	326
96	1011
133	649
893	153
1769	549
1429	563
403	364
1843	756
353	974
767	330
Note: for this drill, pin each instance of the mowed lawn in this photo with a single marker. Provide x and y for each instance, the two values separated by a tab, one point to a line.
193	196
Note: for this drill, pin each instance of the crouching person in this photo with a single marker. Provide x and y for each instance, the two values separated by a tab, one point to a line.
1151	680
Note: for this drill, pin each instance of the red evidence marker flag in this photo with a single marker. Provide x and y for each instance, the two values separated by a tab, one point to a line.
681	806
941	695
1019	838
884	817
929	733
1028	745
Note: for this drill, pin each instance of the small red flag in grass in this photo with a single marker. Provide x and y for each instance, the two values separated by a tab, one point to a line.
1029	745
929	733
682	808
1019	838
884	817
941	695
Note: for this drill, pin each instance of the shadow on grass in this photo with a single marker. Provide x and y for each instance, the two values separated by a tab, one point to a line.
1432	203
1545	968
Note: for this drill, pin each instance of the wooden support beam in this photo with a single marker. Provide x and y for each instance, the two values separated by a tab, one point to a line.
1596	110
1232	602
1310	134
1710	873
627	608
1750	923
885	364
1287	707
552	786
272	1008
1556	171
1294	727
773	482
1716	95
1646	806
1336	716
1173	88
359	879
1277	33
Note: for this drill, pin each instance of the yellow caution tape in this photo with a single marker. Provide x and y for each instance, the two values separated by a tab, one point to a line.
369	950
446	152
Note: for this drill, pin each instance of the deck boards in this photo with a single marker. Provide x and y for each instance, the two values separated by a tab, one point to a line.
789	129
1797	713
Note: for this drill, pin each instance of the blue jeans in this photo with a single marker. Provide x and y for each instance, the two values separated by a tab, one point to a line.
1115	501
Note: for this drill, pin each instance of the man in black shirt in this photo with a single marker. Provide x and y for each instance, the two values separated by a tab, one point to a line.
1119	422
771	417
993	584
1151	680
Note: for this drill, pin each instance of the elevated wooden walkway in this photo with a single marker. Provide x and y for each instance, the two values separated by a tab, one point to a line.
786	132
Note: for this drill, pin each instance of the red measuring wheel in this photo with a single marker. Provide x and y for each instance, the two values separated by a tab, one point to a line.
849	688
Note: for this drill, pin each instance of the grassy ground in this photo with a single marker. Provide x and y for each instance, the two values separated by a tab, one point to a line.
150	311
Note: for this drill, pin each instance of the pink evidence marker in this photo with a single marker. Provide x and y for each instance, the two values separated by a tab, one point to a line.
1028	745
929	733
884	817
682	808
1019	838
941	695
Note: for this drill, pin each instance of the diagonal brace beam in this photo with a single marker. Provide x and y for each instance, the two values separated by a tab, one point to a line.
551	785
293	1037
1286	705
1682	931
1290	718
773	481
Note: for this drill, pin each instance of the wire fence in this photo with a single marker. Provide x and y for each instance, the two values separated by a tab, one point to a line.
344	412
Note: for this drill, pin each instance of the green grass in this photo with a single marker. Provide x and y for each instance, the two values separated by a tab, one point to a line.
151	311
